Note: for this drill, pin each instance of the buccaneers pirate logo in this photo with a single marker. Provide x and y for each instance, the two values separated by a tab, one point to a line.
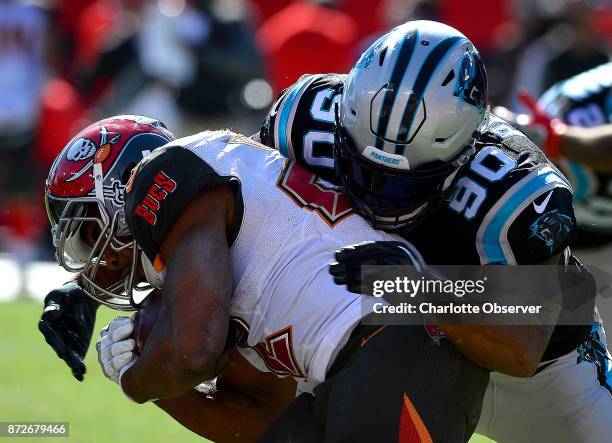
85	149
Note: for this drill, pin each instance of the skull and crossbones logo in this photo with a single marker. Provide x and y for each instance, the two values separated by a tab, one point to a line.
84	148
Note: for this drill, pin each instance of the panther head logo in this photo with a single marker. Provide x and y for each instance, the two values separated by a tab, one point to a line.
551	228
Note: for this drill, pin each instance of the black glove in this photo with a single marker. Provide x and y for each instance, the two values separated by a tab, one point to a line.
67	323
349	260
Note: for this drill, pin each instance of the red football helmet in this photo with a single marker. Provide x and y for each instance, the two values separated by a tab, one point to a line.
86	186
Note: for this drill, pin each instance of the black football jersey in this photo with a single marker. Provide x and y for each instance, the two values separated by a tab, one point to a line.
586	100
510	204
300	123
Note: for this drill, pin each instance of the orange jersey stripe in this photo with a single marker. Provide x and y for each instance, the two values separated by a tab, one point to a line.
412	429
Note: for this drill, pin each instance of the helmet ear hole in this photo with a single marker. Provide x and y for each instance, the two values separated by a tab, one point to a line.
127	173
381	58
449	77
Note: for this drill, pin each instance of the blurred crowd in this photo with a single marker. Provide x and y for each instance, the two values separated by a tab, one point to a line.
205	64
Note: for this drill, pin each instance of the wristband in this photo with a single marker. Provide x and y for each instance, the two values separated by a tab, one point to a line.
121	372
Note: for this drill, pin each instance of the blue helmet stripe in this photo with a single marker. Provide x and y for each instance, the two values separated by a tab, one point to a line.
433	60
399	70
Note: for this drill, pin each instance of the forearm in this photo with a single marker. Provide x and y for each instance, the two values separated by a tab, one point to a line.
228	415
590	146
512	350
161	372
191	333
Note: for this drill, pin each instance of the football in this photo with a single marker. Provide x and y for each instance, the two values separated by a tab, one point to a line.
146	317
102	153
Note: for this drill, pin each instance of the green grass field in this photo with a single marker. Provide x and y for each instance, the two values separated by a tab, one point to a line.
36	386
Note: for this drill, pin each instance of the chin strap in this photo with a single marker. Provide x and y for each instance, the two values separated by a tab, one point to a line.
154	278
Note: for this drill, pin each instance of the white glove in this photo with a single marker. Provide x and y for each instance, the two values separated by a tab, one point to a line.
116	348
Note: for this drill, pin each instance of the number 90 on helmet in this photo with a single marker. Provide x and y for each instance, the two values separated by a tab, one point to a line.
407	120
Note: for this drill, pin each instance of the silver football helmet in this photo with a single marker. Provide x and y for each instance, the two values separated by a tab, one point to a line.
407	119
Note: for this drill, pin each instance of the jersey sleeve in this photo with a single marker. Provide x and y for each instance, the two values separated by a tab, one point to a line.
300	124
161	187
267	134
531	222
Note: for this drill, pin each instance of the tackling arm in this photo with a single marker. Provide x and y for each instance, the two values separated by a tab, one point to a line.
186	343
510	349
242	391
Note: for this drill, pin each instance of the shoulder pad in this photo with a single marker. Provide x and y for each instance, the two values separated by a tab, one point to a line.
301	122
509	205
160	188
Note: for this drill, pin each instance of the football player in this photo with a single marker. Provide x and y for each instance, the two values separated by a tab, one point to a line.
411	162
68	319
240	239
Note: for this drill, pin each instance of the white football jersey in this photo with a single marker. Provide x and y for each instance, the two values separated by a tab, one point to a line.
293	318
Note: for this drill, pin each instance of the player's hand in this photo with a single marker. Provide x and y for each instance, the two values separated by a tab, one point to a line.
552	127
116	348
349	260
67	324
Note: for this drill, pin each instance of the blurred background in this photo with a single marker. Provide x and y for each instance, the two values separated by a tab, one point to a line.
206	64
